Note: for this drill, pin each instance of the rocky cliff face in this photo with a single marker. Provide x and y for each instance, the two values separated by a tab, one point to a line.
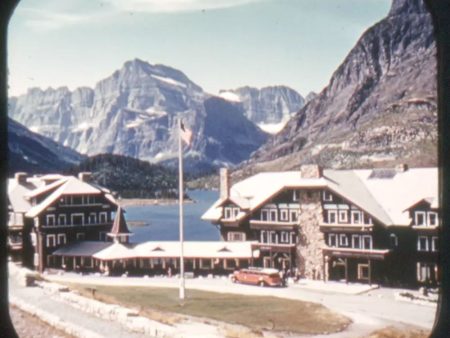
35	153
268	106
379	107
133	112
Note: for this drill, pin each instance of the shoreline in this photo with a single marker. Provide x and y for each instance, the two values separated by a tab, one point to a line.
124	202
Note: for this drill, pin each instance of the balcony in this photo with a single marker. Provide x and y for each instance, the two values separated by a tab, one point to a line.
63	226
356	253
278	225
345	227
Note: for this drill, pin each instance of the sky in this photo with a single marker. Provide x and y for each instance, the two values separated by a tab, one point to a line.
218	44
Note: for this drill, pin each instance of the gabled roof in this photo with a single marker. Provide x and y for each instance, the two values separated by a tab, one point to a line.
71	186
45	188
385	195
119	227
16	193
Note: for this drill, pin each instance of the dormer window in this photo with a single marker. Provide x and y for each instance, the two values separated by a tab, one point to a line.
228	213
420	218
432	218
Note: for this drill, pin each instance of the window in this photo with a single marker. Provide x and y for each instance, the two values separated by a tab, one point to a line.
434	243
343	216
420	218
50	220
62	220
264	238
273	237
432	218
327	196
423	272
103	217
230	264
273	215
422	243
293	238
50	239
363	271
228	212
356	242
235	212
284	215
205	263
332	240
102	236
294	215
332	216
77	219
393	240
295	195
80	236
264	215
92	218
367	242
236	236
61	239
284	237
356	217
343	240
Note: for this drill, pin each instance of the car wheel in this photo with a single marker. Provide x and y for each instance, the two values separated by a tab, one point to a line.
261	283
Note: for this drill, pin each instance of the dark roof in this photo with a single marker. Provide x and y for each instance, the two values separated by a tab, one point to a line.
81	248
120	226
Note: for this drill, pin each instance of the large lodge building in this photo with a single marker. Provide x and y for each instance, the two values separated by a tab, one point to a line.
376	226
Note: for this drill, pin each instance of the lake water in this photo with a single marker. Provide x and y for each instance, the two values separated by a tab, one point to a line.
161	222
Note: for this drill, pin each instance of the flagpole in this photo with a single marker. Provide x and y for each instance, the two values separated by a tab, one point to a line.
180	191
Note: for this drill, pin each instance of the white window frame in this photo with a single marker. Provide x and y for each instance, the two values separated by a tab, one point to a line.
393	240
50	239
284	237
363	242
48	218
273	215
360	216
419	244
333	238
293	215
295	195
429	214
327	196
343	240
101	215
292	237
263	236
332	212
284	215
416	218
236	236
62	217
423	272
358	238
434	243
235	212
95	217
61	239
273	235
77	215
361	268
228	212
343	217
266	213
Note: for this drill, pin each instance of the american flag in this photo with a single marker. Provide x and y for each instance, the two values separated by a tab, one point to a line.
185	134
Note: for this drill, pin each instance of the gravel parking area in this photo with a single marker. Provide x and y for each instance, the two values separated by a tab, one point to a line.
28	326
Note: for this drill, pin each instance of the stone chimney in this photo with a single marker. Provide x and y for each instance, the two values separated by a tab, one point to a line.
84	176
310	171
21	178
401	168
224	183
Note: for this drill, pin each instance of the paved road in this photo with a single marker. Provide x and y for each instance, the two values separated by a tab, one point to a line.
369	311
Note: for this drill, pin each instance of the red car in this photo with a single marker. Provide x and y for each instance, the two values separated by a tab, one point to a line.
257	276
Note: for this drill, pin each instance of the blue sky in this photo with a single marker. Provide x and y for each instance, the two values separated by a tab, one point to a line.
218	44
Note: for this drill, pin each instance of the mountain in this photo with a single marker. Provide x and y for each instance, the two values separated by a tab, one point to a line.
379	107
134	112
34	153
269	107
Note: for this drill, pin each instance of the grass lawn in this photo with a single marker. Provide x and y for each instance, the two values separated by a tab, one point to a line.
254	312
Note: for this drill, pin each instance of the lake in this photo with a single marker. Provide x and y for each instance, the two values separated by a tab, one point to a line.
161	222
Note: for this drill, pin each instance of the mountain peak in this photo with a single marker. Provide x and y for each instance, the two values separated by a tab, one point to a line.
402	7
